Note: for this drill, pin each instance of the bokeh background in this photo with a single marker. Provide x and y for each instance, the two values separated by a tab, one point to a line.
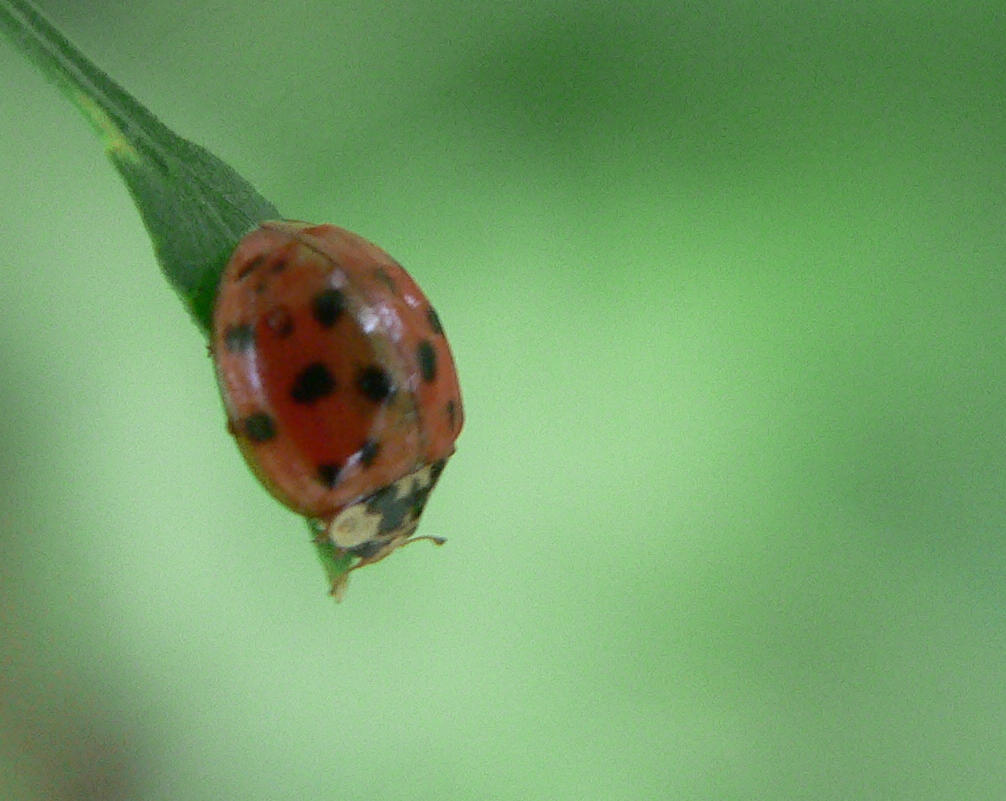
725	283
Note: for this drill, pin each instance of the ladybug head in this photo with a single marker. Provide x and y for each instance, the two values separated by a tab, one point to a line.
373	527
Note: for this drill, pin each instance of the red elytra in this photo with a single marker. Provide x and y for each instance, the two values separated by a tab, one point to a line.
337	379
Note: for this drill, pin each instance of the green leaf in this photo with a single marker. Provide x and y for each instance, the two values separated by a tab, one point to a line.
336	562
194	206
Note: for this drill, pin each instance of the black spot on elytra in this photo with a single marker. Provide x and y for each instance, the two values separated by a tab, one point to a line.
239	338
259	427
280	321
278	266
328	474
452	413
368	452
427	360
434	321
385	278
250	267
327	307
312	383
374	383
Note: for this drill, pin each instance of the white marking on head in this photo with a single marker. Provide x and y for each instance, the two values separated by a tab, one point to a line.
361	523
354	526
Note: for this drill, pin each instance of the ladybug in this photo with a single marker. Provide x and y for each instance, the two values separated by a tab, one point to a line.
337	381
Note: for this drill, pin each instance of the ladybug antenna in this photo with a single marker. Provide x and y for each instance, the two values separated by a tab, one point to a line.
430	537
342	580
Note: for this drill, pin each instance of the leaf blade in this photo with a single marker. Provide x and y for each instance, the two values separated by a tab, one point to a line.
195	207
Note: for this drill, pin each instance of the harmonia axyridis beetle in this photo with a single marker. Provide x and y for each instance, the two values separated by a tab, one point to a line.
337	380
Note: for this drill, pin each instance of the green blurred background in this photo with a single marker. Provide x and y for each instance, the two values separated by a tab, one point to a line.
725	284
